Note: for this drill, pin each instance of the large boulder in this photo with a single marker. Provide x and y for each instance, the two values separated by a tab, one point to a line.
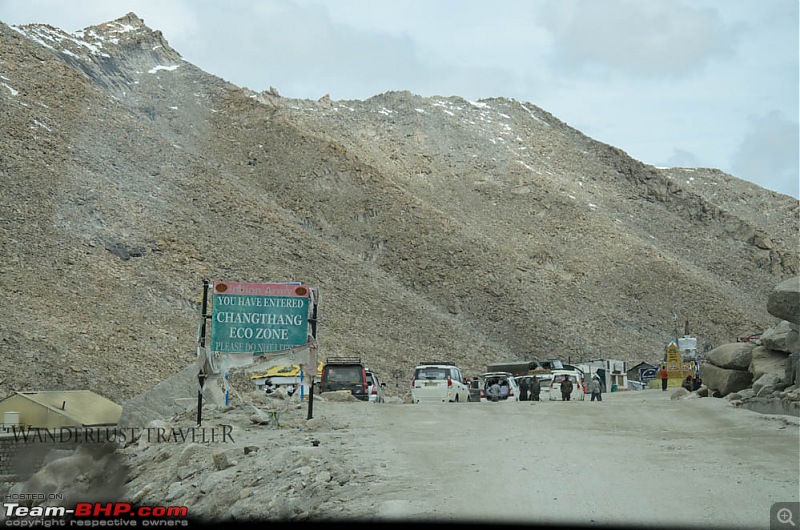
733	356
783	337
724	381
766	384
766	361
784	300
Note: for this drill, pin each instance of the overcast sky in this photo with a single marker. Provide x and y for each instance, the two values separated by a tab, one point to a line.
689	83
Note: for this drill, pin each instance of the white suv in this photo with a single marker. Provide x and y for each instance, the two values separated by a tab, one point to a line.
374	387
438	382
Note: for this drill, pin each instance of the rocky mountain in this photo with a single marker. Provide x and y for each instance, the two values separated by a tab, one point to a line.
434	227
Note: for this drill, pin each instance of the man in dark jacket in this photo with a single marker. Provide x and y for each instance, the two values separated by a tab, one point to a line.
566	388
535	388
523	389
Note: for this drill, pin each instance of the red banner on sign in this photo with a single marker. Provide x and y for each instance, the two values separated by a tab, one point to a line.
261	289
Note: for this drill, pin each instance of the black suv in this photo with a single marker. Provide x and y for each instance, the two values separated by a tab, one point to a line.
345	373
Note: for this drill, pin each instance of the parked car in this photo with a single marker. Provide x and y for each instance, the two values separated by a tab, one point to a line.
345	373
438	382
374	387
503	379
578	392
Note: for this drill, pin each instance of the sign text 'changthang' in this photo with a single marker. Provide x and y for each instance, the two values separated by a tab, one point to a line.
258	317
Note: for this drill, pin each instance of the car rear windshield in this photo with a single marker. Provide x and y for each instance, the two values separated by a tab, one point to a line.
560	378
343	374
431	373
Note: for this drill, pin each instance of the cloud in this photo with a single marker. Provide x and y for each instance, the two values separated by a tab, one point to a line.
304	53
682	158
769	153
656	38
298	50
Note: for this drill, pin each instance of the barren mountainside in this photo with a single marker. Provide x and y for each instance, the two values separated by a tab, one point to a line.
434	227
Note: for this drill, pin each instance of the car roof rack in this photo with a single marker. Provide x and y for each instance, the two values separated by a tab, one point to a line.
343	360
427	363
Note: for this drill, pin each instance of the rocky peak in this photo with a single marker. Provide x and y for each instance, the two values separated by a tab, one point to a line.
112	53
126	31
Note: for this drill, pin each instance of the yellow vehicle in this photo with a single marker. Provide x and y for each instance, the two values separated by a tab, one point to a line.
285	375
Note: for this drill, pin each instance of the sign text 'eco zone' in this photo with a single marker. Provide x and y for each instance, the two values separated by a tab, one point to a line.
257	318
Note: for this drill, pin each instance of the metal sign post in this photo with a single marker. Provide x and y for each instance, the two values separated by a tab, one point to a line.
313	323
201	376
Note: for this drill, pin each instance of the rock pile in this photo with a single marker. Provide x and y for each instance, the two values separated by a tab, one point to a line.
762	376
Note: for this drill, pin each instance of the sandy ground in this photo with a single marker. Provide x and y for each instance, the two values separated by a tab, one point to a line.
635	460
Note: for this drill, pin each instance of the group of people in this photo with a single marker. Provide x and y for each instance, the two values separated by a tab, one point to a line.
692	383
270	387
689	383
567	385
529	389
498	390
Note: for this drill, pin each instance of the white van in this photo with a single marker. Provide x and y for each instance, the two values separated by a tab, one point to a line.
438	382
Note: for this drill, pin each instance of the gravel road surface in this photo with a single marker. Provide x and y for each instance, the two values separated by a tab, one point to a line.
636	459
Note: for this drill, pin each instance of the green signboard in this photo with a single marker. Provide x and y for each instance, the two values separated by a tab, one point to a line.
258	317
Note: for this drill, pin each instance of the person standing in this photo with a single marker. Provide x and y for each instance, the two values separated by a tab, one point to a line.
664	375
504	391
566	388
594	388
494	391
523	389
535	388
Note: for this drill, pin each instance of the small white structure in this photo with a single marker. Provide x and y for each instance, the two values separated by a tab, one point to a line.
688	348
612	373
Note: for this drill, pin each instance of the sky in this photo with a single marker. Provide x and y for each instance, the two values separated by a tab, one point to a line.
674	83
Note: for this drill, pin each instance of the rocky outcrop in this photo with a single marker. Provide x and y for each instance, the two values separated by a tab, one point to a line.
783	337
764	377
723	381
766	361
784	300
734	356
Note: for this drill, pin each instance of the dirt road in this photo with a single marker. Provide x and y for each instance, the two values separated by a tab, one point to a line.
637	459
